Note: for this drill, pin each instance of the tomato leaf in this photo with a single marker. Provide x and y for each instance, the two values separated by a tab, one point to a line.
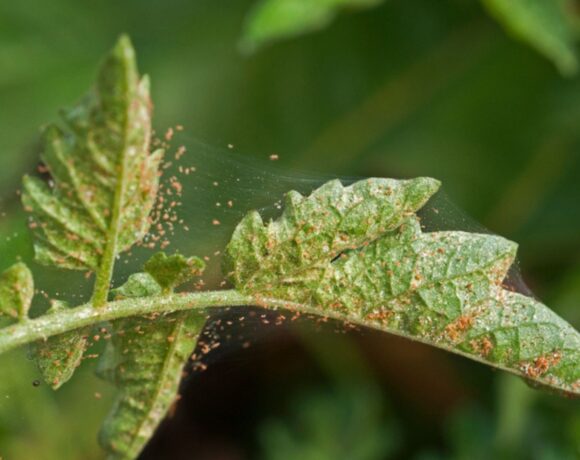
146	356
104	180
16	291
171	271
58	357
358	254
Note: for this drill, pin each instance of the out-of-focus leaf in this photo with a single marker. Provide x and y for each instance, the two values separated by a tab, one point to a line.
59	356
104	180
149	355
442	288
146	356
171	271
16	291
543	24
275	19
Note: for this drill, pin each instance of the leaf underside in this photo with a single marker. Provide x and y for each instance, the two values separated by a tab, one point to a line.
146	365
103	185
58	357
442	288
146	357
103	179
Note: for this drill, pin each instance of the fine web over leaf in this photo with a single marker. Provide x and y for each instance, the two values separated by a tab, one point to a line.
98	203
103	185
358	253
441	288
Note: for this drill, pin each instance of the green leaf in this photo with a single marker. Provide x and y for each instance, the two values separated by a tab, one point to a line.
58	357
171	271
546	25
16	291
138	285
331	220
148	359
104	180
543	24
275	19
441	288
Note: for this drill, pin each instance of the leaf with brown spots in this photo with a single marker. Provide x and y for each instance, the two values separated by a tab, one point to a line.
58	357
146	357
104	180
358	254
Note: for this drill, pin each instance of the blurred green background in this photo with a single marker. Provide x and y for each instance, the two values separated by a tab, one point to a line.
399	89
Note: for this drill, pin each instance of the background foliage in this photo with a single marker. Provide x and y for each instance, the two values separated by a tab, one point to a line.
404	88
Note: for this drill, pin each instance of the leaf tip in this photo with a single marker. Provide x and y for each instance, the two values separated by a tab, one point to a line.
171	271
124	48
420	190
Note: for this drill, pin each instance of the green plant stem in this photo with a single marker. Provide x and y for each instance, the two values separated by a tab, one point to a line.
48	325
86	315
105	271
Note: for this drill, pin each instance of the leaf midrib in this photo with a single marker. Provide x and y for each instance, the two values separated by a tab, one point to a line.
179	324
105	270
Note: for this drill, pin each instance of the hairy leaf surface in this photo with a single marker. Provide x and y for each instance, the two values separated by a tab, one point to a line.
442	288
103	185
171	271
138	285
147	367
147	355
103	178
58	357
318	228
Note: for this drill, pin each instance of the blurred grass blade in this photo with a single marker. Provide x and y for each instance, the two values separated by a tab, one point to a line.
271	20
544	25
358	254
